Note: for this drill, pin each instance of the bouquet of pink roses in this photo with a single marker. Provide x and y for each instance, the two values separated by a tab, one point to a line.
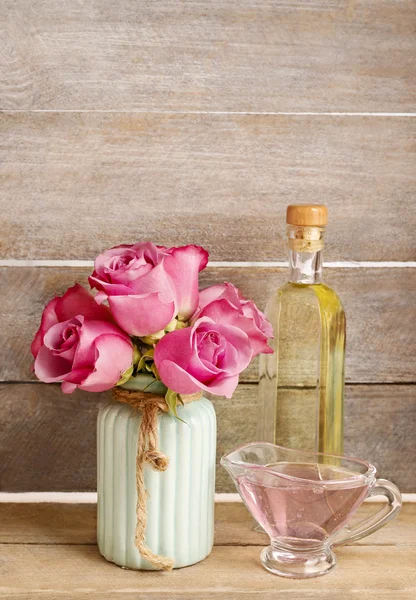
156	331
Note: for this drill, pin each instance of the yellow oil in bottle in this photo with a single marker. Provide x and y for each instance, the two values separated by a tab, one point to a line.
302	384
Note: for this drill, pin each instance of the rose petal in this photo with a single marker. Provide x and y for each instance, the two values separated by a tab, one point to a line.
177	343
210	294
49	367
114	357
183	364
179	346
117	270
85	355
106	287
141	315
235	337
78	301
182	382
74	379
49	319
177	379
222	311
183	266
155	281
100	297
225	304
68	388
54	336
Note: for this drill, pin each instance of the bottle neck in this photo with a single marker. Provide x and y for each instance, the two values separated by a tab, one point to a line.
305	254
305	267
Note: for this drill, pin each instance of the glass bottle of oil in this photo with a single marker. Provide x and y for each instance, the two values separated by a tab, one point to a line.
302	384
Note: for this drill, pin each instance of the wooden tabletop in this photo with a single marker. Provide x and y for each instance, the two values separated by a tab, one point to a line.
48	551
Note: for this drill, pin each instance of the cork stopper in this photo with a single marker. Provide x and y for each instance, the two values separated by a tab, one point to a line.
307	215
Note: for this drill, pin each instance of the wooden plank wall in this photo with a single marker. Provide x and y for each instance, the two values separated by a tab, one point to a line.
198	122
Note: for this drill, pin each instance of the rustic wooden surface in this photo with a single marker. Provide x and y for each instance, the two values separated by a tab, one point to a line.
198	122
48	552
379	304
74	183
49	443
49	523
242	55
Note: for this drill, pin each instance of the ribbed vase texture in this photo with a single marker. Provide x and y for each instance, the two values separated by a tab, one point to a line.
180	506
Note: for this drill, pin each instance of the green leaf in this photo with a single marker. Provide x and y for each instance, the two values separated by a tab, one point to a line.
126	375
171	399
136	354
144	382
145	358
152	340
155	372
171	326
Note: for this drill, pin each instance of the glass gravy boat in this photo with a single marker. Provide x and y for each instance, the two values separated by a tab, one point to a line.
304	500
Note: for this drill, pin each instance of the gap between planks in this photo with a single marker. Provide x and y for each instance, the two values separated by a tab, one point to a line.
252	382
91	497
12	262
214	112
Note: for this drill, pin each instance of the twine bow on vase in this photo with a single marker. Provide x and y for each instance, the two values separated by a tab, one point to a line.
150	405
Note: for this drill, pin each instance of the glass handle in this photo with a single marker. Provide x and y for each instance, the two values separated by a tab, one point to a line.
383	487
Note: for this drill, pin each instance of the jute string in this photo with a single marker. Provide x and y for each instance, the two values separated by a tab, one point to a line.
150	405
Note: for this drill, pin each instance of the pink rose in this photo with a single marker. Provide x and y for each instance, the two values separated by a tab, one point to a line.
147	285
224	304
208	356
79	345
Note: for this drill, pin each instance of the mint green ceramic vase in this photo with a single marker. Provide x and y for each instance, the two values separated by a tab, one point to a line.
180	506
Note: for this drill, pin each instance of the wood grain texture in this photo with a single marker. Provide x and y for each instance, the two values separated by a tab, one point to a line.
48	440
379	304
79	572
234	526
73	184
242	55
48	523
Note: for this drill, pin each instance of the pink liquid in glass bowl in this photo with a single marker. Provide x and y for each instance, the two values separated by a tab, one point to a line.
299	512
304	501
